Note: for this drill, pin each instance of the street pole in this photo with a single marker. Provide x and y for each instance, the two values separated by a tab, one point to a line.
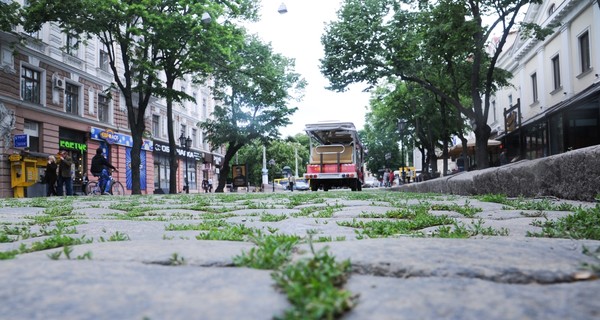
186	143
401	129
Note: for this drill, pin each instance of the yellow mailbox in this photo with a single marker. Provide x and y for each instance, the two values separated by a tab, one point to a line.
24	171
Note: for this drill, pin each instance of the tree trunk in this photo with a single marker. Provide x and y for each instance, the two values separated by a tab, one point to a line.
224	172
173	161
482	134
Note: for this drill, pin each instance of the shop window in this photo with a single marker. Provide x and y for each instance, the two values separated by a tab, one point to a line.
30	85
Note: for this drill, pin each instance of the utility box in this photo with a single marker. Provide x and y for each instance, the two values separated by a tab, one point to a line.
25	171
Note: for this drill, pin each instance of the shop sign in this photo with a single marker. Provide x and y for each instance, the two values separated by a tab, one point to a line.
164	148
20	141
71	145
14	157
112	137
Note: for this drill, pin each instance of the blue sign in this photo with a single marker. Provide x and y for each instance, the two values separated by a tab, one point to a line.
112	137
20	141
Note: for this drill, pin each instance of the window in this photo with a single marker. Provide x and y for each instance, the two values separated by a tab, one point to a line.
155	126
103	62
494	110
584	52
204	108
556	72
534	90
510	100
31	129
551	9
72	99
30	85
195	138
183	131
72	45
103	108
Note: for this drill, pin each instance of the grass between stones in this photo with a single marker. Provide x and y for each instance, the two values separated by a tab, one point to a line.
314	284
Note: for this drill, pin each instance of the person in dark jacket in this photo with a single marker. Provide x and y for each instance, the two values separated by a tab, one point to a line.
51	176
64	173
100	169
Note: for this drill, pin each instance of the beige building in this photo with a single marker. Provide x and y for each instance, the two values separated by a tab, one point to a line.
56	94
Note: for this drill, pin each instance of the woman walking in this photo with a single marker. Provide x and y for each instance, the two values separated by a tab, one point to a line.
51	176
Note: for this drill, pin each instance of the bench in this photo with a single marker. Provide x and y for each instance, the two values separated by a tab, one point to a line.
329	154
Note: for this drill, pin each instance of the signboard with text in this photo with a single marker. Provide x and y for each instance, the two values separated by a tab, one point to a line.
21	141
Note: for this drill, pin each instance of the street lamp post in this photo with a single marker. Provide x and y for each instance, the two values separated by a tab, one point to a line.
186	143
272	163
401	130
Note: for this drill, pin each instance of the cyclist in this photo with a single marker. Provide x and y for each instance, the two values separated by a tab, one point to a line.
99	169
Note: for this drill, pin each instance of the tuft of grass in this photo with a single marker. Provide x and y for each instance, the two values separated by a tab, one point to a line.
460	230
268	217
314	287
583	224
272	251
237	232
206	225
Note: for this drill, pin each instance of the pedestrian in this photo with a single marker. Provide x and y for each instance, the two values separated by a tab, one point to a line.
64	173
503	159
392	176
292	181
99	169
386	177
209	184
50	176
205	185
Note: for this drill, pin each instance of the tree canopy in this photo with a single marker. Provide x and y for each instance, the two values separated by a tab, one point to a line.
441	46
256	88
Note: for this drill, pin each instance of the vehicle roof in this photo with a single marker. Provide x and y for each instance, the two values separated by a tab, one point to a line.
332	132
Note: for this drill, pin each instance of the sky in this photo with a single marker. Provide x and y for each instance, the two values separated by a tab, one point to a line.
297	34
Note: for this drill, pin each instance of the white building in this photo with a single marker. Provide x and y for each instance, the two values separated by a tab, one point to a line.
553	103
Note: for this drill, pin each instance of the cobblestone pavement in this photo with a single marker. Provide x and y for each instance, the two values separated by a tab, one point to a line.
160	270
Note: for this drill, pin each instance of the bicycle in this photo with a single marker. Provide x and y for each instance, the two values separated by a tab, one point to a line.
116	188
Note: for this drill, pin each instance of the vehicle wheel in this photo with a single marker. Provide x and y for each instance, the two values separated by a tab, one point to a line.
359	185
325	187
117	189
314	186
91	188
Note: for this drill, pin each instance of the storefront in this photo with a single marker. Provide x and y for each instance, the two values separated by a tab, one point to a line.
162	168
569	125
76	145
117	147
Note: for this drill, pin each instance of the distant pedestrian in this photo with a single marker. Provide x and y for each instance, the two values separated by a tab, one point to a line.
210	184
392	176
386	177
292	181
51	176
503	159
64	173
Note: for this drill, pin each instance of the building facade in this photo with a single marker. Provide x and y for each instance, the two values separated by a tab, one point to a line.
552	105
56	94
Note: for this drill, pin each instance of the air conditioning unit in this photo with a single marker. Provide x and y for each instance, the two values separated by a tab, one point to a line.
59	84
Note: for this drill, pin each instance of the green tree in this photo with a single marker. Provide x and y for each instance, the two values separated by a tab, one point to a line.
10	15
255	88
188	45
385	39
